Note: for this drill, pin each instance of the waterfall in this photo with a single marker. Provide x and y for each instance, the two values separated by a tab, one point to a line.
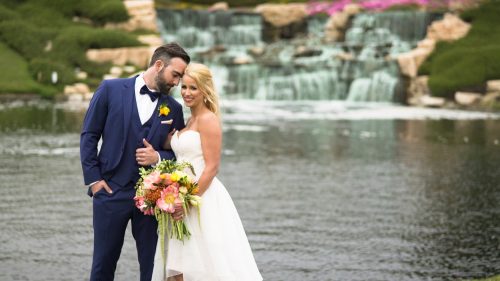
244	67
202	30
379	88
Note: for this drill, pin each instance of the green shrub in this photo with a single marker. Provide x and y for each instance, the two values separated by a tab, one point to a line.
104	11
42	70
12	3
464	69
71	43
468	63
27	39
111	11
43	16
68	8
7	14
99	11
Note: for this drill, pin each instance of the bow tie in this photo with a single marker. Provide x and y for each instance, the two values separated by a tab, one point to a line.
152	95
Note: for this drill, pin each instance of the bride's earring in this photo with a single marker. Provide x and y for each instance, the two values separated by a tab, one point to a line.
205	100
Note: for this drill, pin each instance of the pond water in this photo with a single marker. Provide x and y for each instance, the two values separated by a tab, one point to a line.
325	190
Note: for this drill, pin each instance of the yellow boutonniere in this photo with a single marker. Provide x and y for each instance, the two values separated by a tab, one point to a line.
164	110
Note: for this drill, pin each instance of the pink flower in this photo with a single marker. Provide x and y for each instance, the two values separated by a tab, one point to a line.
152	180
139	202
169	198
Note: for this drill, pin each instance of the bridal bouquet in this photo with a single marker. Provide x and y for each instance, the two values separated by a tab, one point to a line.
160	189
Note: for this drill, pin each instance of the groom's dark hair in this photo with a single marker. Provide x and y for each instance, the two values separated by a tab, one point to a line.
169	51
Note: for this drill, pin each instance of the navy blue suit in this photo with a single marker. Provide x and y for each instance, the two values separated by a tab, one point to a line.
112	115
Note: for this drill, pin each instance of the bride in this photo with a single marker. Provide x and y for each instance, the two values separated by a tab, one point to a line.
218	248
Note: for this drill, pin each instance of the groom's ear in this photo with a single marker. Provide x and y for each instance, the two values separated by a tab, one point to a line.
159	65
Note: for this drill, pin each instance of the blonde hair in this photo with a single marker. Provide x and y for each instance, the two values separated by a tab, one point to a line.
202	76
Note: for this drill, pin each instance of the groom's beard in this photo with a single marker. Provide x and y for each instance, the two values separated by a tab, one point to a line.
163	86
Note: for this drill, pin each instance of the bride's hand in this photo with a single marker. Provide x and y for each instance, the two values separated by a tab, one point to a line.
178	213
166	145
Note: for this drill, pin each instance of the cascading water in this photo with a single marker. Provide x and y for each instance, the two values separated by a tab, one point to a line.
358	69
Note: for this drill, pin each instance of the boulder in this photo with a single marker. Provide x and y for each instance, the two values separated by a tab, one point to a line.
493	86
81	75
450	28
280	15
491	98
142	16
256	51
151	40
219	6
76	89
409	62
242	60
129	68
352	9
417	89
427	44
345	56
75	98
303	51
337	23
465	98
429	101
88	96
458	6
138	56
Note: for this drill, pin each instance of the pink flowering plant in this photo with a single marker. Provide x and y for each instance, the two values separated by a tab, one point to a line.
332	7
160	189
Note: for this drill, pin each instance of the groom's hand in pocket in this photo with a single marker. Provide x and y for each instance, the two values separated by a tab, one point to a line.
146	156
100	185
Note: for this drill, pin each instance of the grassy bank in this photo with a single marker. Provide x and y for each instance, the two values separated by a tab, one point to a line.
494	278
54	38
466	64
15	78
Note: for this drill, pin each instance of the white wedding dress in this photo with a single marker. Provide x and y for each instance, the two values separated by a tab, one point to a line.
218	249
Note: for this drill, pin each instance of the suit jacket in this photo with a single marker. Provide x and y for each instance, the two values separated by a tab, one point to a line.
108	117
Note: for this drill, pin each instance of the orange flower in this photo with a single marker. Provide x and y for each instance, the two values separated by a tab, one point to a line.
152	195
196	190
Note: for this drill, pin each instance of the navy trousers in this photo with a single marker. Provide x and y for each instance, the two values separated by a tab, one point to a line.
111	214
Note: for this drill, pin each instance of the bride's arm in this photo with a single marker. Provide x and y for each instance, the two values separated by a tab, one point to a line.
211	142
166	144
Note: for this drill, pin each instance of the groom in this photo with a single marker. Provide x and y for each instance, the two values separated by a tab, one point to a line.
132	116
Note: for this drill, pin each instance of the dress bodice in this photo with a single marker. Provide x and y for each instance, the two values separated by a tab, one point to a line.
187	147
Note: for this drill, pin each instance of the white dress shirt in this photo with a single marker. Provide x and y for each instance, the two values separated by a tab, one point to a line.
145	106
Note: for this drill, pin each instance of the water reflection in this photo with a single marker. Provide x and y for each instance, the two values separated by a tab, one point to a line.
321	198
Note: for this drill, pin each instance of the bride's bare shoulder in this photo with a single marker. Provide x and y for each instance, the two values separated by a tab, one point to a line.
208	121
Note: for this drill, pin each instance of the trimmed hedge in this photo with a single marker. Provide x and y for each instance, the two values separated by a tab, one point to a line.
25	38
41	16
99	11
42	69
104	11
7	14
468	63
50	41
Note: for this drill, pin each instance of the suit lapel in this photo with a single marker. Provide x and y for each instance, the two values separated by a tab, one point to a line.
157	119
128	103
